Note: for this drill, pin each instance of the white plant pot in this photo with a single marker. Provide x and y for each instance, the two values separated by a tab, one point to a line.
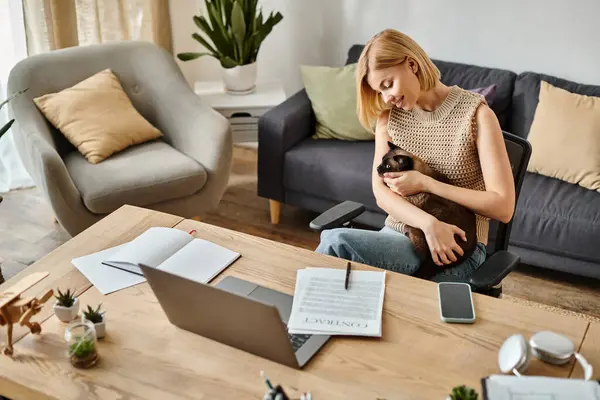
100	328
66	314
240	79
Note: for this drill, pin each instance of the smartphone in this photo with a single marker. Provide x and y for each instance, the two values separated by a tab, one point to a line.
456	302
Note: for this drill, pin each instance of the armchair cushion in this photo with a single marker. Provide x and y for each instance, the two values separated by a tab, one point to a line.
135	176
97	116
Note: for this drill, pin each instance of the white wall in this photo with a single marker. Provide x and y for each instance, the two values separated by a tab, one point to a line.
555	37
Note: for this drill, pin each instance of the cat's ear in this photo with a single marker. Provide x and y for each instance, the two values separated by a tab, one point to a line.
392	146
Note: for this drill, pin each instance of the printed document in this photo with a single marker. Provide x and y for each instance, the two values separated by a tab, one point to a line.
323	306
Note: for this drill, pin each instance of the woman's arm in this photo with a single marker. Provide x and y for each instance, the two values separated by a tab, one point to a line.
498	199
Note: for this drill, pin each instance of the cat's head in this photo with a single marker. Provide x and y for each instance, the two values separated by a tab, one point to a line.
396	160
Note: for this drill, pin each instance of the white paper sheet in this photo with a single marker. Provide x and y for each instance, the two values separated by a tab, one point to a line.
322	305
106	279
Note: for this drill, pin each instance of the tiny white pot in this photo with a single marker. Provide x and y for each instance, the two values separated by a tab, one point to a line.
100	327
240	79
66	314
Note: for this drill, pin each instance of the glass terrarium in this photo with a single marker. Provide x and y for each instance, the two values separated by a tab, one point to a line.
82	344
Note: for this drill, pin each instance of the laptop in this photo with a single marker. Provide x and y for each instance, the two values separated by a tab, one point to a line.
235	312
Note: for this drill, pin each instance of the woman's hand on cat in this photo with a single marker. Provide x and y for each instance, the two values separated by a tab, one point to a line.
442	245
406	183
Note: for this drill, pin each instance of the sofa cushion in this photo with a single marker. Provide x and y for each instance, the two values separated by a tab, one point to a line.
135	176
526	95
565	137
331	169
558	218
489	92
332	94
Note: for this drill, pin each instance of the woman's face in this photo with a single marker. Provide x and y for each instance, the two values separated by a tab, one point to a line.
398	85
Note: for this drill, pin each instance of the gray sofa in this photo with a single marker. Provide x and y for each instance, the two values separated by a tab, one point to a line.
556	224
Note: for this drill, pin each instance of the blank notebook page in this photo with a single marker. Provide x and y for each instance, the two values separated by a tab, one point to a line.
199	260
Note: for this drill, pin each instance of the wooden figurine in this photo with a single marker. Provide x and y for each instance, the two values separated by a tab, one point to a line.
14	309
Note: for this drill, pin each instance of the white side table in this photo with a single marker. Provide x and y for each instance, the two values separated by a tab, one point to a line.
242	111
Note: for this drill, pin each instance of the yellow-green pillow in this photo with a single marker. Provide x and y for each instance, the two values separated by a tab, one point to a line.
97	117
332	93
565	137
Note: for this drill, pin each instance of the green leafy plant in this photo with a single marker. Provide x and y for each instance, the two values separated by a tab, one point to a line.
7	126
463	393
65	299
82	347
92	315
235	30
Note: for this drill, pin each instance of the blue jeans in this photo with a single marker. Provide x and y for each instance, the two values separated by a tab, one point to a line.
387	249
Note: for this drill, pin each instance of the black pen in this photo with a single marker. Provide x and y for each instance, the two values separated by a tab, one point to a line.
347	276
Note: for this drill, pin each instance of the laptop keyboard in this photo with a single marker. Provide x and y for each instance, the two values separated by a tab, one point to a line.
297	340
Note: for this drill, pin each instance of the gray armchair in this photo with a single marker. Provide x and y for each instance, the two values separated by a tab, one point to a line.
185	173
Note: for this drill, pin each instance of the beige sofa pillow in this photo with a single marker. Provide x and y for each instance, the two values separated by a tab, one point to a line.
97	117
565	137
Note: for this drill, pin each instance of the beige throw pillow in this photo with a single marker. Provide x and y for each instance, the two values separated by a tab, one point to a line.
97	117
565	137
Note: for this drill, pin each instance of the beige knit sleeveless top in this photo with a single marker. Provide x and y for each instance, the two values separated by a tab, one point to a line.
445	140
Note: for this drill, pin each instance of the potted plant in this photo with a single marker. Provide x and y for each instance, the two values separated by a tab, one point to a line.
236	31
81	344
66	306
97	318
463	393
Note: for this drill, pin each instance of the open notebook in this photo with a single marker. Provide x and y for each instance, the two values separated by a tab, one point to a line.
169	249
175	251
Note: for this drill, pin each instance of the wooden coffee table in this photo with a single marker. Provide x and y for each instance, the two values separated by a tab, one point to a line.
144	356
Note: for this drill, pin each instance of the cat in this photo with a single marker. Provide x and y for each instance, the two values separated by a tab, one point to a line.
398	160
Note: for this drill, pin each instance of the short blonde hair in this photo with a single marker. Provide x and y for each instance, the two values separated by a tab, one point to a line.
387	49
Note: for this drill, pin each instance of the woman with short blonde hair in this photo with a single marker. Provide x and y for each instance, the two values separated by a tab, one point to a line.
453	130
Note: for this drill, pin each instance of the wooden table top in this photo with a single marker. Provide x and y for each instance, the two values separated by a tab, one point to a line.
144	356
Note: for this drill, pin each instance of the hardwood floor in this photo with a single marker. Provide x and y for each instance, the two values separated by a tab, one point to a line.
27	232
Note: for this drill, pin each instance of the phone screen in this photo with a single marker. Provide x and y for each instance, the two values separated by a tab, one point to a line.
455	300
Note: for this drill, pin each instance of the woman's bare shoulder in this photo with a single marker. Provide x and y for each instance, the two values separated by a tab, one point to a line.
485	116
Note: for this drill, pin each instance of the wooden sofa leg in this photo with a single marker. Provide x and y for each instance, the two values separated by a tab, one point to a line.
196	218
275	207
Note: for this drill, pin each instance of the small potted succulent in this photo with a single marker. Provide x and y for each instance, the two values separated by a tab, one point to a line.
81	344
463	393
97	318
66	306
